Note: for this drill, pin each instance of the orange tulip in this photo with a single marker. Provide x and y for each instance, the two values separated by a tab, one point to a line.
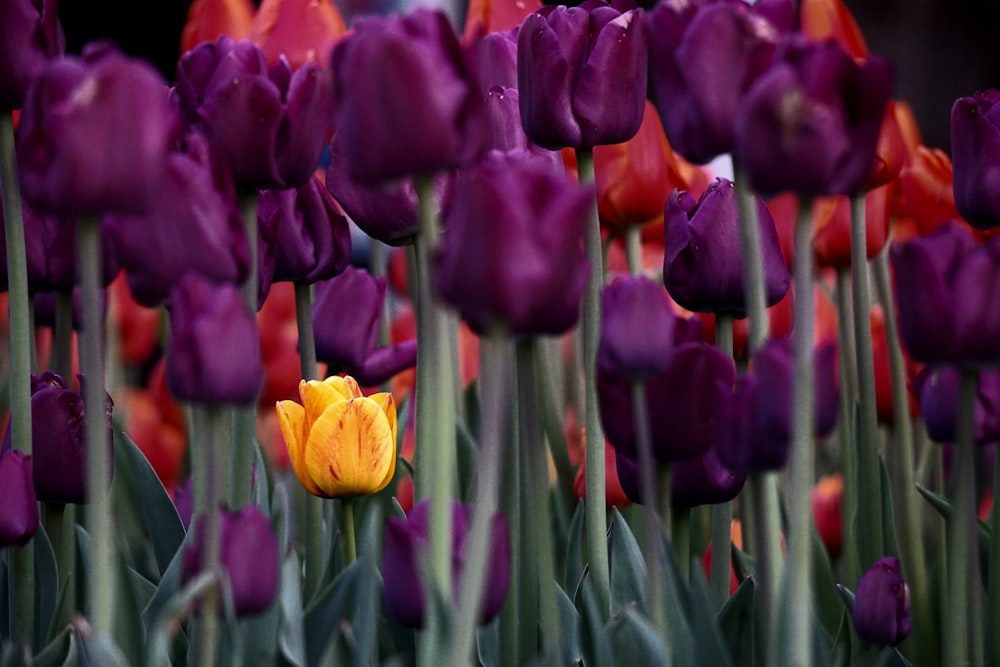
304	31
341	443
926	184
831	19
486	16
210	19
827	507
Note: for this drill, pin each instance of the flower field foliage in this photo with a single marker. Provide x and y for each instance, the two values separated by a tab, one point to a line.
418	338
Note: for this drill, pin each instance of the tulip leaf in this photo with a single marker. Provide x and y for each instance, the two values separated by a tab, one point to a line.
370	585
291	640
635	640
166	532
596	650
132	593
261	491
99	650
629	581
890	545
46	585
63	650
943	506
571	651
468	453
573	567
737	624
332	605
680	641
702	617
827	605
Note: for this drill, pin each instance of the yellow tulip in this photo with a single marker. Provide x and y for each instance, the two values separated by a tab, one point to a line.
341	443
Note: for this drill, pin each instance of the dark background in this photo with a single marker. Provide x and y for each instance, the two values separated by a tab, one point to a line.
940	49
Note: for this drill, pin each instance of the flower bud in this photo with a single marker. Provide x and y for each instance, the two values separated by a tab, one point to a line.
19	518
882	604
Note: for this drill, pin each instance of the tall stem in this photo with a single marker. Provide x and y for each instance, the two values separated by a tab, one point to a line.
596	512
649	496
848	399
722	513
868	470
20	363
798	592
211	450
350	541
244	429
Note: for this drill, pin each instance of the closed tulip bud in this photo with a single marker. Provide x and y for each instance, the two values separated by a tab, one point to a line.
346	316
30	34
493	58
270	123
637	326
975	154
405	550
882	604
828	513
312	239
214	353
703	260
341	443
581	74
19	518
253	581
408	104
694	482
101	105
937	393
512	256
811	122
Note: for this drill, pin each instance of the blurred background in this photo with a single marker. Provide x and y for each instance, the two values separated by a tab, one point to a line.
940	49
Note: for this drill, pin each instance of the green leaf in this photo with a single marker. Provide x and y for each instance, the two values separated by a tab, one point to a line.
635	640
291	639
332	605
737	624
573	571
261	492
701	614
943	507
827	605
467	454
629	581
46	586
488	643
166	532
132	593
62	650
571	649
596	650
890	545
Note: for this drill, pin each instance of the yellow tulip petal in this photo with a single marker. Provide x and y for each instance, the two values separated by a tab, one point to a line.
291	418
388	405
351	449
346	385
318	396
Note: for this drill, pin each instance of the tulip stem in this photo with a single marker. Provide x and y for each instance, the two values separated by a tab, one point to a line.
244	430
848	397
722	513
963	622
797	600
633	249
552	415
350	540
211	420
993	608
926	632
100	522
62	343
596	511
869	483
494	379
21	350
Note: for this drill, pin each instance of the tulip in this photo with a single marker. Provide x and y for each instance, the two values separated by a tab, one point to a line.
937	392
512	255
19	518
94	135
637	325
736	534
194	226
614	493
928	192
759	416
405	550
811	122
693	482
312	239
493	59
703	58
975	154
58	435
882	604
207	20
505	131
341	443
30	34
199	368
269	123
684	404
581	74
346	317
486	17
249	558
946	287
303	31
162	443
827	506
703	263
831	19
408	103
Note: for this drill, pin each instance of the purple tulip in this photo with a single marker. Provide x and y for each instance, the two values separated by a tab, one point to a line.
759	415
94	135
270	124
312	239
882	604
694	482
685	403
19	518
493	59
405	549
512	255
975	156
703	260
703	57
346	317
249	558
214	352
946	297
637	325
811	122
937	393
30	35
45	308
408	104
194	226
581	75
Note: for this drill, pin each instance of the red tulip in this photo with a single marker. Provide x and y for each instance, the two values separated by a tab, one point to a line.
304	31
210	19
827	507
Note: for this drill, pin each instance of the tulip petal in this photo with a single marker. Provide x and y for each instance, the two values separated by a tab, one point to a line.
350	449
318	396
292	420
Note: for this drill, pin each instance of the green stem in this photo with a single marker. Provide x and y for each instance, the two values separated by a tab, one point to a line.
350	540
552	415
633	249
993	606
510	503
682	540
902	467
21	350
869	471
244	431
963	622
62	343
596	511
753	262
648	495
211	419
722	513
848	399
435	455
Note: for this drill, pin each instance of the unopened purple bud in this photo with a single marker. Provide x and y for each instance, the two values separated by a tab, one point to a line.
882	604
